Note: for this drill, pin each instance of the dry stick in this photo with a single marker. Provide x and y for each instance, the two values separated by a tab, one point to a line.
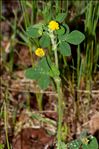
87	91
6	121
31	91
51	92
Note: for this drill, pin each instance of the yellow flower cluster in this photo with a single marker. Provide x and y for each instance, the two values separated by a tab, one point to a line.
85	140
53	25
39	52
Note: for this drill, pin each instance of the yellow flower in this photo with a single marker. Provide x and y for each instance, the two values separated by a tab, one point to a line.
85	140
53	25
40	52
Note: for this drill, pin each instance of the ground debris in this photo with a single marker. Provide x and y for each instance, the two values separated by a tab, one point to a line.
30	138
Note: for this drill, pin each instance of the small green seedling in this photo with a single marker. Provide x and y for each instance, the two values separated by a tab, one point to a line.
88	142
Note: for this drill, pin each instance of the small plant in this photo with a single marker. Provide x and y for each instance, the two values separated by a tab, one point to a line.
51	40
88	142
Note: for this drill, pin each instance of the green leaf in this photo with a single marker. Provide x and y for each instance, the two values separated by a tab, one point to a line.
34	32
63	145
84	146
44	81
48	59
34	48
32	73
45	41
67	28
75	37
54	72
41	69
60	17
44	64
40	73
1	146
65	48
62	37
74	144
61	31
39	25
93	144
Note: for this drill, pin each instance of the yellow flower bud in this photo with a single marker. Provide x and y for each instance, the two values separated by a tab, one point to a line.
85	140
39	52
53	25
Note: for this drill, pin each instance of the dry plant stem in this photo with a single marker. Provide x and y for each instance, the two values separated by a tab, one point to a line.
6	122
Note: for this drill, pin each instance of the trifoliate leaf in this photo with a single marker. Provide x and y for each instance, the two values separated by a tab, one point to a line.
34	32
75	37
64	48
44	81
60	17
45	41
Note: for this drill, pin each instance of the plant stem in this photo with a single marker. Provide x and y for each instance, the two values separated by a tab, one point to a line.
60	111
56	58
54	47
39	97
59	91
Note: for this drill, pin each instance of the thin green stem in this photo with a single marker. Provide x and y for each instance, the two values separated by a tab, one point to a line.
59	91
56	58
60	112
39	100
34	11
54	47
